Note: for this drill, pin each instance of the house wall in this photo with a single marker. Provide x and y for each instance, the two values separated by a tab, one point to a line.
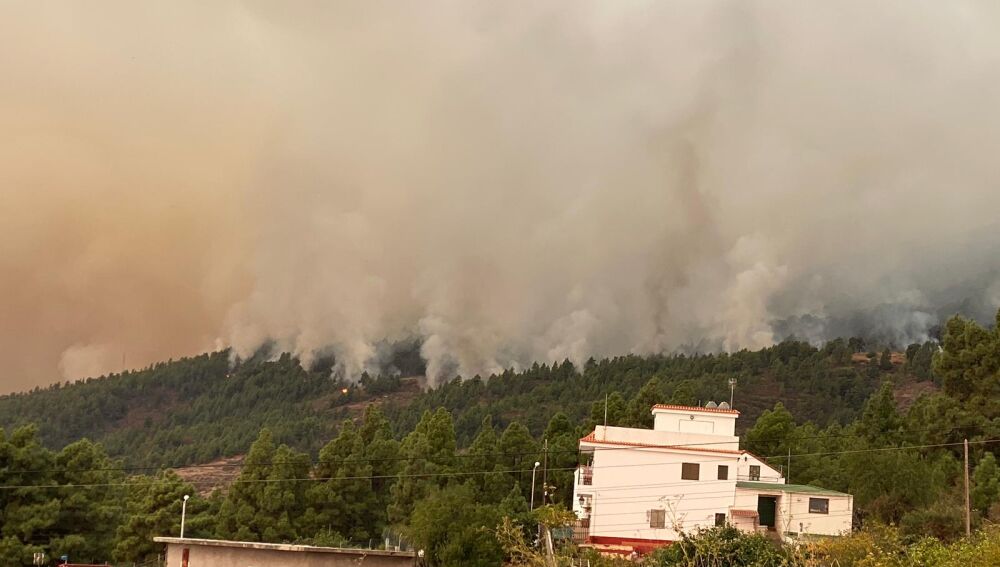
657	437
631	481
744	523
767	472
793	515
837	522
219	556
747	500
635	471
687	421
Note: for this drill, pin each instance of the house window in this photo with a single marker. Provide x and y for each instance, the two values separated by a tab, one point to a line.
657	518
819	505
723	472
754	472
690	471
720	519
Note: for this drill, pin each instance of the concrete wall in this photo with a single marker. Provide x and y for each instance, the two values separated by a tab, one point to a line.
629	483
657	437
836	522
694	421
767	473
220	556
792	513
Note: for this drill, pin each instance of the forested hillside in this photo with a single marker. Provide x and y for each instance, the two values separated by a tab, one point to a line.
198	409
466	503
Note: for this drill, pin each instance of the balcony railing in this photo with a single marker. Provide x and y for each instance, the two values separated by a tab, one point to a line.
581	530
757	478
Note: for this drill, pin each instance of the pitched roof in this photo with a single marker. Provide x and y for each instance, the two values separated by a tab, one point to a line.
591	438
696	409
796	488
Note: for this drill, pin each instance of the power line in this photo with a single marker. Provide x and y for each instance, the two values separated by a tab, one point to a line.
317	462
443	474
269	480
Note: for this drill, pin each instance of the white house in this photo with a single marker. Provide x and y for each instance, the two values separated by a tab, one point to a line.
643	488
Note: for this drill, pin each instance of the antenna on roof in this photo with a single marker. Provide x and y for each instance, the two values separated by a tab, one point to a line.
732	389
605	416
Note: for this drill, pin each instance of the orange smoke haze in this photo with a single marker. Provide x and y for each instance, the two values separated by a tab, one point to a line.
507	183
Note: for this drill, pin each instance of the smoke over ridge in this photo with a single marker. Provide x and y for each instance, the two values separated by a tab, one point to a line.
505	183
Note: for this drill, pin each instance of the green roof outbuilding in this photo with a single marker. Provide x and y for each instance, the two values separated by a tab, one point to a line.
791	488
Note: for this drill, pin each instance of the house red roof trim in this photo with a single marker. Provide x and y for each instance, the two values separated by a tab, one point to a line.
744	513
626	545
591	438
696	408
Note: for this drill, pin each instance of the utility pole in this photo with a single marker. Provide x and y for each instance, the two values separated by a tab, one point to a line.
968	504
788	473
605	416
545	471
732	390
184	513
533	471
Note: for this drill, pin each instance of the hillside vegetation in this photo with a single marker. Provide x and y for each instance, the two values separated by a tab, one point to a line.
466	503
199	409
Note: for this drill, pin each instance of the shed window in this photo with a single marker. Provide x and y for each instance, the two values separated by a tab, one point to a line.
690	471
754	472
720	519
723	472
819	505
657	518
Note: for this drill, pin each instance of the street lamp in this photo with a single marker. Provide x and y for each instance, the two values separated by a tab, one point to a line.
533	471
184	513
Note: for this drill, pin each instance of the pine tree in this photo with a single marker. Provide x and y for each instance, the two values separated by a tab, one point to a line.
381	451
85	464
772	432
343	501
482	456
267	500
428	454
518	452
880	420
153	509
885	361
285	496
640	408
455	529
986	484
562	458
28	514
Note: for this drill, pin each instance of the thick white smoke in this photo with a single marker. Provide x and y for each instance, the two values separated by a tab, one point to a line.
506	183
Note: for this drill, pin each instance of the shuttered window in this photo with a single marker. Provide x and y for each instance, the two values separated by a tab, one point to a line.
657	518
723	472
690	471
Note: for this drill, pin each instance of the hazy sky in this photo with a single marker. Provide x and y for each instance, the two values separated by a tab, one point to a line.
508	182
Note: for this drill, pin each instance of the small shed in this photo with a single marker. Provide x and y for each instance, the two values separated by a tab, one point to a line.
190	552
795	510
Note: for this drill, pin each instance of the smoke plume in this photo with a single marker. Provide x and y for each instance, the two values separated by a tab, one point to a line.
503	182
